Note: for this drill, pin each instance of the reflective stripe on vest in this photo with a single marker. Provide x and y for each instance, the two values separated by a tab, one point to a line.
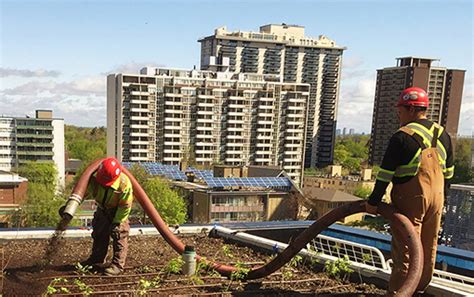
385	175
411	169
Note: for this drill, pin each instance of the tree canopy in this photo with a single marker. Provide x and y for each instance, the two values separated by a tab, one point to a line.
351	151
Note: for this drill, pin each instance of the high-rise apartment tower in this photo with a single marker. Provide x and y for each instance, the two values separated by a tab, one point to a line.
444	87
284	52
205	117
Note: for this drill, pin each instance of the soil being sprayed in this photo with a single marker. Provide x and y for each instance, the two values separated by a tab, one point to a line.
55	242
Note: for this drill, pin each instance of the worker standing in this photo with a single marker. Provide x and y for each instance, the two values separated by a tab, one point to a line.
112	191
417	161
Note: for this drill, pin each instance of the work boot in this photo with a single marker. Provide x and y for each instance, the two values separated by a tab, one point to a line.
91	262
113	270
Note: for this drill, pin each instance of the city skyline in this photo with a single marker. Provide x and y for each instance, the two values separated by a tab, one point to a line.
57	58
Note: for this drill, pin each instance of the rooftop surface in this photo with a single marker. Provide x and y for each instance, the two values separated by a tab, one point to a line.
148	271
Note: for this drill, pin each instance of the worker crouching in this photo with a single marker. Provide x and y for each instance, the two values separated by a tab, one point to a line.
112	191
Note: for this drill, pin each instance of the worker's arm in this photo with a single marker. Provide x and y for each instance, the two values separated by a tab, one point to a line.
124	206
391	160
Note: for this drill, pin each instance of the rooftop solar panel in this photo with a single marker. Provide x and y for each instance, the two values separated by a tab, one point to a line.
257	182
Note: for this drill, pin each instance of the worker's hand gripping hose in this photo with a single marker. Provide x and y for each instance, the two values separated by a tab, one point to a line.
397	220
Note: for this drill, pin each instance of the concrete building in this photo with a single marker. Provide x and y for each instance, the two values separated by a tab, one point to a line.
458	227
175	116
444	87
39	139
285	53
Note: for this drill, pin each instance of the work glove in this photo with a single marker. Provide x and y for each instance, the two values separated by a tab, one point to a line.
115	231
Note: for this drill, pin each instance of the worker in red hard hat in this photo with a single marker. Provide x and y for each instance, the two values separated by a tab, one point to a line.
419	163
112	191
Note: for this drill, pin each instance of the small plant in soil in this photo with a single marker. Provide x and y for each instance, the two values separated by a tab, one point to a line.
53	289
287	271
226	251
174	265
83	288
339	269
82	269
238	275
144	285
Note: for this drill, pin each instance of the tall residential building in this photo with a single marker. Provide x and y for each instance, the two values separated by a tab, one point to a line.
173	116
39	139
444	87
284	52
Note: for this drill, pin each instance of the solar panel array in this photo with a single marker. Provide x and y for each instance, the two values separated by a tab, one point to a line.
156	168
257	182
201	174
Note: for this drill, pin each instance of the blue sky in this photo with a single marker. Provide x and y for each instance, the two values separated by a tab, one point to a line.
55	54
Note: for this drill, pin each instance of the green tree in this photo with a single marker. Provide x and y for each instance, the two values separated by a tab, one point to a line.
40	173
463	173
167	202
362	192
41	206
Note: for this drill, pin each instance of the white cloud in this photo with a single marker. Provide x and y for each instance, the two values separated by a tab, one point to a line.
132	67
4	72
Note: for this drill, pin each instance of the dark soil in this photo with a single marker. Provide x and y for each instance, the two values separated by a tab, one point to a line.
28	272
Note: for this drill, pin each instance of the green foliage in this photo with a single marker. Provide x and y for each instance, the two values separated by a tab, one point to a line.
40	173
144	285
240	273
362	192
85	289
41	206
82	270
167	202
174	266
314	171
463	173
339	269
367	258
376	224
139	173
86	144
226	251
287	271
351	151
53	289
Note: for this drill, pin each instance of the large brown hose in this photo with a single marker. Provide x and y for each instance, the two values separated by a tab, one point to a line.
397	220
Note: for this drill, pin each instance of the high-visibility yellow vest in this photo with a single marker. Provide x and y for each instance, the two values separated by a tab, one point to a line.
411	169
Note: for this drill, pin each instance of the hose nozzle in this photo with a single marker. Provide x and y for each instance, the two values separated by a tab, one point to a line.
70	208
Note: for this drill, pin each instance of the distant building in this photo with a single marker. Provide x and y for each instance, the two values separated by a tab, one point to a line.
72	167
175	116
39	139
351	131
458	228
12	193
338	132
344	131
335	180
444	87
236	203
322	201
285	53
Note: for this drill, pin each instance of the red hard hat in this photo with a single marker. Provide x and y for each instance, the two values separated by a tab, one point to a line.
413	96
108	172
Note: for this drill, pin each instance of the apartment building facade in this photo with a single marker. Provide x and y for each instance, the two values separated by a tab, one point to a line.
205	117
444	87
26	139
285	53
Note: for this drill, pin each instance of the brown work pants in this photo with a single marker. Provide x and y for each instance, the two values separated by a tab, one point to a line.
421	201
101	233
